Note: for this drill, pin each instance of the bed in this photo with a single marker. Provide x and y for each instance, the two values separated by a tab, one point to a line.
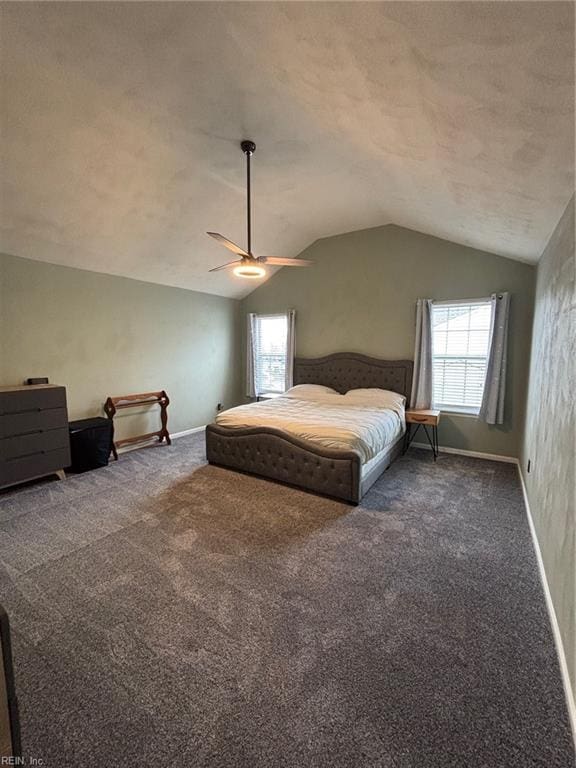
334	447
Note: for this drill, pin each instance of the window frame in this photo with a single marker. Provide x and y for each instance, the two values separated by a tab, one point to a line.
460	410
267	393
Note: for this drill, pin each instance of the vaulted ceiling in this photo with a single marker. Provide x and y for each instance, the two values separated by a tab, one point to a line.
121	125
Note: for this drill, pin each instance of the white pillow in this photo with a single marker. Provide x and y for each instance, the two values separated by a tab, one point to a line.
376	398
309	391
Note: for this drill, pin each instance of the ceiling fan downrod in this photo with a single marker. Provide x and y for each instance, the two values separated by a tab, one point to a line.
248	147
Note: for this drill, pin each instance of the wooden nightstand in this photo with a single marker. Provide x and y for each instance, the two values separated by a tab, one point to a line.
424	418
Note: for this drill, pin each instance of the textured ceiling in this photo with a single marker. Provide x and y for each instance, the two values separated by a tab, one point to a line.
121	124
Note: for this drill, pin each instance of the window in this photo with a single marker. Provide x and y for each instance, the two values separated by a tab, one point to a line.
460	339
270	338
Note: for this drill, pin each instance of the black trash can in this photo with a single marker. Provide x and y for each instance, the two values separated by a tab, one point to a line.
90	443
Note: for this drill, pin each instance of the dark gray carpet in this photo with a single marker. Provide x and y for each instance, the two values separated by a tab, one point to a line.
166	613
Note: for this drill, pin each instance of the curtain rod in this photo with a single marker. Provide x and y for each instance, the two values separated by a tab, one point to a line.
271	314
483	300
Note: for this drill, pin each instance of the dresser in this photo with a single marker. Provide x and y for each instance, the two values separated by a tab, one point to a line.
34	439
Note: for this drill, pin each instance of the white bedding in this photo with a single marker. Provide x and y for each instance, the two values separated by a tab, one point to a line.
330	420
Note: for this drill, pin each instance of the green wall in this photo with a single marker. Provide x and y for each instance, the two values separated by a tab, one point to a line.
101	335
360	296
550	436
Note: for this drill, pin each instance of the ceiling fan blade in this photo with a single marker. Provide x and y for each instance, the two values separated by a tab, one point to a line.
278	261
225	266
228	244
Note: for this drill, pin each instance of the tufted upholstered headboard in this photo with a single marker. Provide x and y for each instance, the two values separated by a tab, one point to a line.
348	370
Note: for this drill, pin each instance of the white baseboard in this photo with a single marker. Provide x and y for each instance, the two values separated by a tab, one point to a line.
472	454
174	436
568	692
192	431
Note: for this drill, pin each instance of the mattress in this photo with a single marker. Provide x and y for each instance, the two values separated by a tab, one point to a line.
328	420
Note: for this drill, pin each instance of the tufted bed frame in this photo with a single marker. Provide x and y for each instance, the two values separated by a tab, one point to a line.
276	455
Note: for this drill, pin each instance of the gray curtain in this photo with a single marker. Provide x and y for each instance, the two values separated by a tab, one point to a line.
422	378
492	408
250	333
290	347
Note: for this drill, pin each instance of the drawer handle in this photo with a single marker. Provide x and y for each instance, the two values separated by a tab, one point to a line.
25	410
25	456
24	434
421	420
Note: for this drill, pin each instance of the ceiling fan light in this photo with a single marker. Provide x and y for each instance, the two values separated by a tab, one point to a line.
252	271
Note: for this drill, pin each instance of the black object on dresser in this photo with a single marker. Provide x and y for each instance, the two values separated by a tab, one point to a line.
91	443
34	438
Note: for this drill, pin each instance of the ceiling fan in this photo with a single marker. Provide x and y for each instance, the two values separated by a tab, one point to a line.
249	265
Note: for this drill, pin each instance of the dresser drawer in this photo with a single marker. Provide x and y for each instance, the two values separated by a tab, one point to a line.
26	467
34	443
26	422
32	399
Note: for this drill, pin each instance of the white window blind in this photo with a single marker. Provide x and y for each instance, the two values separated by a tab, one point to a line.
270	352
460	338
